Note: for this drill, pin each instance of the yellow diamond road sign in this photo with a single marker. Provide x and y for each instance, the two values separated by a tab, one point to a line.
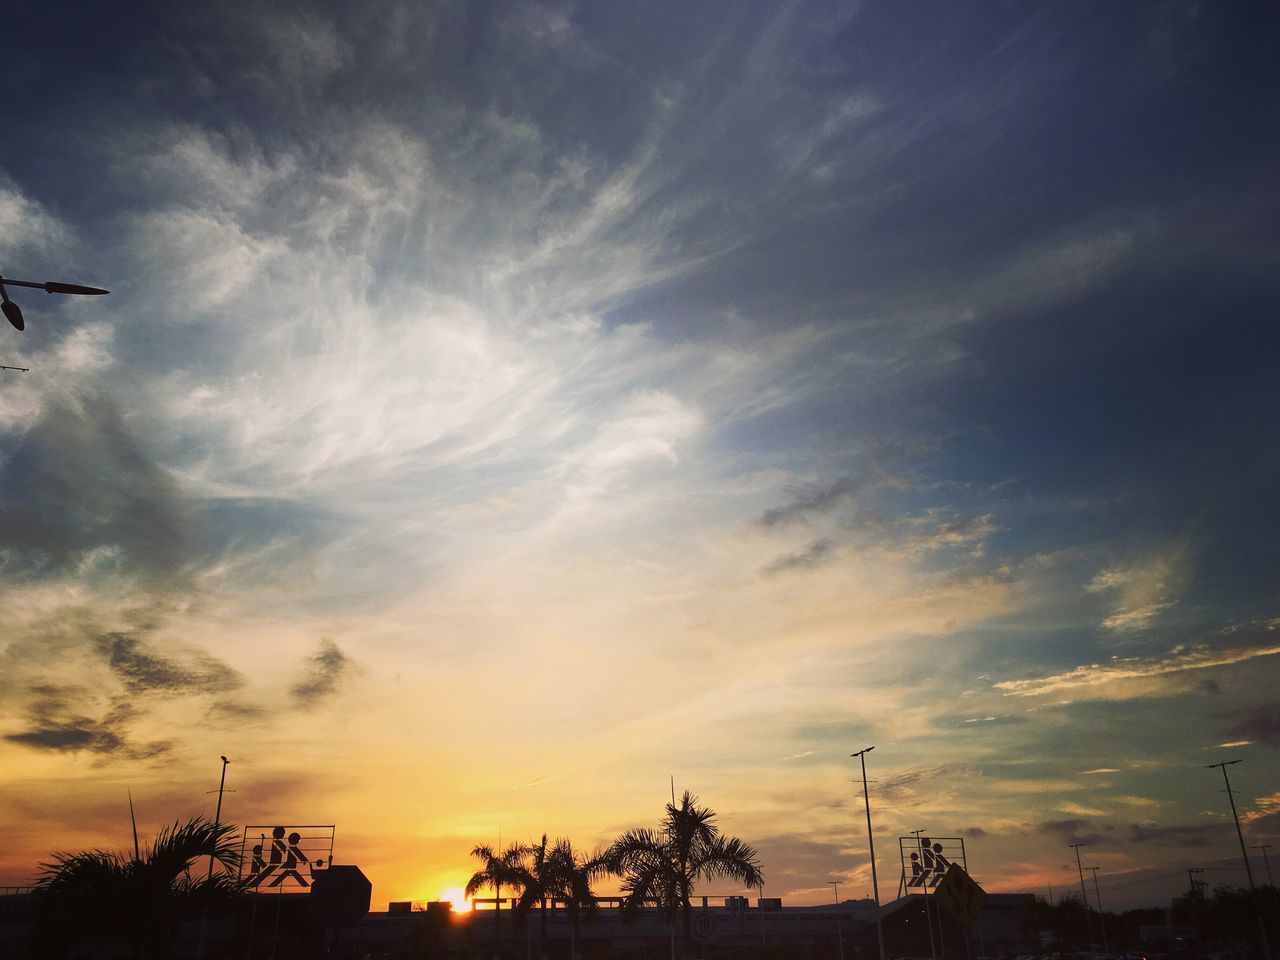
957	894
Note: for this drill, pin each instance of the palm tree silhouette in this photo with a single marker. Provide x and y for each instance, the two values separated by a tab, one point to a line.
663	865
139	899
497	868
536	873
572	875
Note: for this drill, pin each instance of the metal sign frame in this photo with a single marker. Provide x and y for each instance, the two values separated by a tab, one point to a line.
285	857
925	860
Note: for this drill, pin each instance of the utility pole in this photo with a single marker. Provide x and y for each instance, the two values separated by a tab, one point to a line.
1267	860
1084	896
1262	930
1102	917
839	931
871	844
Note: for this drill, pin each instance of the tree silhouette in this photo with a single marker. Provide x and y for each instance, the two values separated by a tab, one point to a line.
572	875
536	873
497	868
664	864
137	899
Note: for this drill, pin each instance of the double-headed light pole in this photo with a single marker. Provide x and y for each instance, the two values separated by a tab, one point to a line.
1244	854
1084	895
871	845
1102	917
835	884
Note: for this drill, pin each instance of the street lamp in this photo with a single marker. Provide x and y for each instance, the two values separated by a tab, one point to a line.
217	824
1262	930
1267	860
871	845
1102	917
928	914
14	315
1084	897
839	931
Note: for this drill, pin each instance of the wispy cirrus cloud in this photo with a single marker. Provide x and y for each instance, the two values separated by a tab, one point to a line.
809	500
815	555
1134	676
1140	592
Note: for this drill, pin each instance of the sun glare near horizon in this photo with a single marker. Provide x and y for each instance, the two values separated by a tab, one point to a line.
458	898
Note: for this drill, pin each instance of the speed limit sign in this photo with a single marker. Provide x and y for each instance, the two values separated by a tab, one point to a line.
704	925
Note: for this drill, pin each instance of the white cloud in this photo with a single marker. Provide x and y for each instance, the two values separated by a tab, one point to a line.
1140	592
1133	676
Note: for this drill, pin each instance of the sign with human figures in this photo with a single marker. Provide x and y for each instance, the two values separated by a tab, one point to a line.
285	859
925	861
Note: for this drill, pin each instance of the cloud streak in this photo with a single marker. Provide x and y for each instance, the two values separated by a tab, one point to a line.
1100	679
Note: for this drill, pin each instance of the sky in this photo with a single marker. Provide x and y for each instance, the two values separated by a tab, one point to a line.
501	409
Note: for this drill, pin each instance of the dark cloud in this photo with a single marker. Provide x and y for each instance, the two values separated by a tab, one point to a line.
1191	835
1260	724
817	554
793	860
324	671
1070	831
144	671
80	481
908	784
235	711
807	500
55	724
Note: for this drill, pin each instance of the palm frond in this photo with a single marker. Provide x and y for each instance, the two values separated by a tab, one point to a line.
731	859
178	846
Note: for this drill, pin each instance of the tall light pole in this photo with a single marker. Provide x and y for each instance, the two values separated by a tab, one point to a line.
871	845
1084	896
1267	860
928	915
217	823
1231	797
839	931
1262	931
1102	917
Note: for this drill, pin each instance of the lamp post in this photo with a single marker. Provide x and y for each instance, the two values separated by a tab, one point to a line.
871	845
14	315
1084	896
1267	860
1102	918
928	914
1262	930
839	931
217	822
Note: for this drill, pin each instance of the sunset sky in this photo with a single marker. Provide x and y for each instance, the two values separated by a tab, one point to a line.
501	408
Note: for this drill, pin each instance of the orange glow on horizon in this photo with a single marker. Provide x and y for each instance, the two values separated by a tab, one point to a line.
457	897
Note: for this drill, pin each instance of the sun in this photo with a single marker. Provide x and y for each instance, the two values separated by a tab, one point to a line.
457	897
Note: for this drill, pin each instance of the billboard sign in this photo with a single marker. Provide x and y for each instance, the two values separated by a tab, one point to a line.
925	861
285	859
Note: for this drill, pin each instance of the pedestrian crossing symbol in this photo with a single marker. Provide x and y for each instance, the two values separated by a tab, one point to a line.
279	859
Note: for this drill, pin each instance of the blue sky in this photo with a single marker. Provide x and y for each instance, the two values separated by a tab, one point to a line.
511	405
